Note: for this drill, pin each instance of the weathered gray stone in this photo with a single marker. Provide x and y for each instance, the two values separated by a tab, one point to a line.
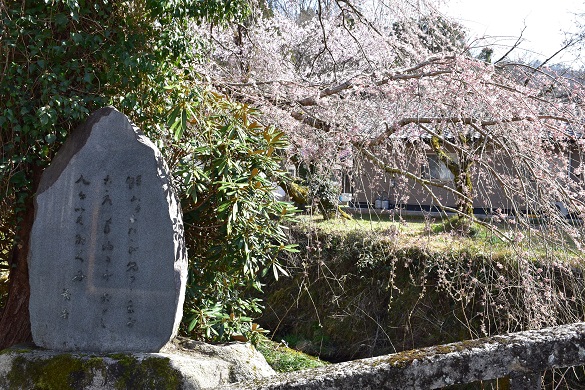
183	365
211	365
107	259
521	356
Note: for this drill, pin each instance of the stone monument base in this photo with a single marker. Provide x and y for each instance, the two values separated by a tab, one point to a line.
182	364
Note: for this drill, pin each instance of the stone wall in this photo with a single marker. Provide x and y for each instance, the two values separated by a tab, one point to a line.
521	356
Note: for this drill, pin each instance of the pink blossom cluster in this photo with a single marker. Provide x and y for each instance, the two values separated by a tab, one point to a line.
393	83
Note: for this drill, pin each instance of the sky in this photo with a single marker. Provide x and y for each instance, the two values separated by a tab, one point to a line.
545	23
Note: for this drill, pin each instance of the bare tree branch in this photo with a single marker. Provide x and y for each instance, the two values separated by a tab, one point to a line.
514	46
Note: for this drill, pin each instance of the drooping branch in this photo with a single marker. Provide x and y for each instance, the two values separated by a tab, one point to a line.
390	129
405	173
312	121
312	101
426	185
405	74
341	99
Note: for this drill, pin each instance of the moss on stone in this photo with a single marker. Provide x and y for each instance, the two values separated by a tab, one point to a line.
60	372
73	372
14	350
284	359
150	373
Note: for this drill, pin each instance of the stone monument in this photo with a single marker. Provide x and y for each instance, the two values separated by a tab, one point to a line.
107	259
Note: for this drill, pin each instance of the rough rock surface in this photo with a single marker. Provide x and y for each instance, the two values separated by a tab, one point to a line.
107	260
182	364
521	356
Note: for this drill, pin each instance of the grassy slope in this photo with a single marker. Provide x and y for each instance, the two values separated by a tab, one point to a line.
437	235
372	286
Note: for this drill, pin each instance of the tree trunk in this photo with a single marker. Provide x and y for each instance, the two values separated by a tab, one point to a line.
461	170
15	320
464	185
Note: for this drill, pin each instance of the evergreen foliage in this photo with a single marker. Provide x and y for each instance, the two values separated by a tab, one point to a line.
63	59
227	165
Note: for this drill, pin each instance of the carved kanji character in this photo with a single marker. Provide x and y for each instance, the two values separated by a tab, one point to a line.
82	181
79	239
131	266
107	199
107	227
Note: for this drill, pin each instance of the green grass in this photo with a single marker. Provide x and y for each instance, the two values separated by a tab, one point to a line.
284	359
404	229
413	226
438	234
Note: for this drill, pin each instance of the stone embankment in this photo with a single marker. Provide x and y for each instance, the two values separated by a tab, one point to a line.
520	356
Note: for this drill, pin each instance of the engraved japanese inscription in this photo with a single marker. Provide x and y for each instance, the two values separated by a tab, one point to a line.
107	261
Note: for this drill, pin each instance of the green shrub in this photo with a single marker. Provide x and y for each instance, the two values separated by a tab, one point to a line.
226	165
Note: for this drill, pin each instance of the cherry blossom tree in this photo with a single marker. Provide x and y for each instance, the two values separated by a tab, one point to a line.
390	82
